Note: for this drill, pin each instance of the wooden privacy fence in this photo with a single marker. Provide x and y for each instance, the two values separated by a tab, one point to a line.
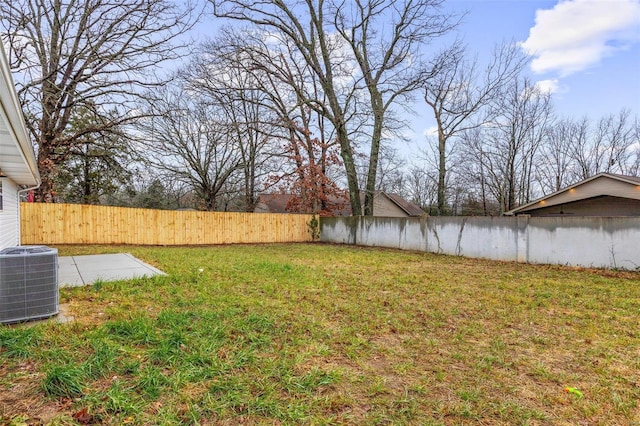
86	224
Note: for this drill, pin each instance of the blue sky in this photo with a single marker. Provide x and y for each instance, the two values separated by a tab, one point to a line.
586	51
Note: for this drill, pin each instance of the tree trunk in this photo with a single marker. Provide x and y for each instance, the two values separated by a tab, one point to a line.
86	184
350	169
210	201
511	194
482	189
442	171
346	152
44	193
374	154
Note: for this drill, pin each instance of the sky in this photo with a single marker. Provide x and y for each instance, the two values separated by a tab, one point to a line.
586	52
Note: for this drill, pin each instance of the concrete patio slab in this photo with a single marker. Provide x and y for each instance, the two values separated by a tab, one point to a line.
85	270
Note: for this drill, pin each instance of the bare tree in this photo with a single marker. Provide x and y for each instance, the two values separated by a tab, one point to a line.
192	141
365	58
555	164
389	61
94	54
608	147
513	140
302	140
220	75
457	97
306	34
310	146
421	187
391	173
476	168
576	149
633	161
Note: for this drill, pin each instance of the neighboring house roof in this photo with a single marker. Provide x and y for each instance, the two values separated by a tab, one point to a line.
602	184
411	209
17	159
277	203
624	178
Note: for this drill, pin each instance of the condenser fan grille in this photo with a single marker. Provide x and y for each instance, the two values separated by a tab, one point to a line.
28	283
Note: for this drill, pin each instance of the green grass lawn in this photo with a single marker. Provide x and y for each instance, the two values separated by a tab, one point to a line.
324	334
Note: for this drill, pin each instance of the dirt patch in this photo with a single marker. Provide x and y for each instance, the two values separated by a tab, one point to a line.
23	396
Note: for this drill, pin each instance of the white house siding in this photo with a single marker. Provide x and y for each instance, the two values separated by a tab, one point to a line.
9	225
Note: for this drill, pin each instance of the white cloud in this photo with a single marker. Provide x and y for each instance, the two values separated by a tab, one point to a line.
431	131
548	86
577	34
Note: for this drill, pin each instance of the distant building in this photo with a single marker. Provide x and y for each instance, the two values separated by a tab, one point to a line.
384	205
393	205
604	194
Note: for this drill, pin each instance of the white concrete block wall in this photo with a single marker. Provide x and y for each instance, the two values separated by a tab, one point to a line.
612	242
486	238
410	227
578	241
341	230
9	224
390	232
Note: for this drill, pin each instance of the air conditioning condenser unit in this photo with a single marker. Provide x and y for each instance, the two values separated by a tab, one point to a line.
28	283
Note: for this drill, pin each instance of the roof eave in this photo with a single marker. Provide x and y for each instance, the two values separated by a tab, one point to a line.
531	205
15	122
408	213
